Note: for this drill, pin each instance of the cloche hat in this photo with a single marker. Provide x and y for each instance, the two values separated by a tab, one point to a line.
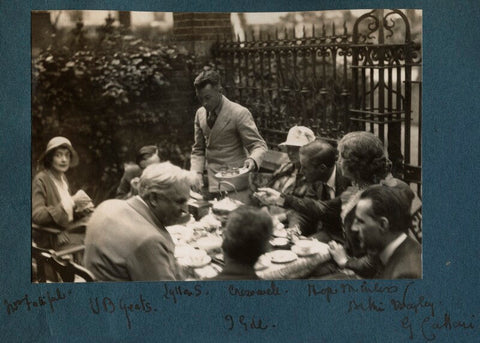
57	142
145	150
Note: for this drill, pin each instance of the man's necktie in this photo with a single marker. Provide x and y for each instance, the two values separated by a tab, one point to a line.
326	192
211	117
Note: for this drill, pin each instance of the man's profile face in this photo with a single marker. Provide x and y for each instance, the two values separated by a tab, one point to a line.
170	205
293	153
368	227
149	159
311	172
209	97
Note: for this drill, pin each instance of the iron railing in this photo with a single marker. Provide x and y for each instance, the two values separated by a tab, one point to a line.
333	81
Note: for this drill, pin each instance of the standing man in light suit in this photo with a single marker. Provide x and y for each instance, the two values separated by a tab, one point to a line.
225	136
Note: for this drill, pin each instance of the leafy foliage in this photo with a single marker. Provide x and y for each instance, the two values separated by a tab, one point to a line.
105	95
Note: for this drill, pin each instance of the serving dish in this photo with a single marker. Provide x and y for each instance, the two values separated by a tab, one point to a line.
231	173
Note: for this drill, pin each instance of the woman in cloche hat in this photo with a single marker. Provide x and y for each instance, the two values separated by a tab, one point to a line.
52	204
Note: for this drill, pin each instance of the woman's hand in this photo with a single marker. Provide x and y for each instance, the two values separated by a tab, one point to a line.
82	201
63	238
338	253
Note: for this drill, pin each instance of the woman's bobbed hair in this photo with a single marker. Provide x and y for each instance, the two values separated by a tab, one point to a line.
364	157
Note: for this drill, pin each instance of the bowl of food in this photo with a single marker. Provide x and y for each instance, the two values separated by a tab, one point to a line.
230	173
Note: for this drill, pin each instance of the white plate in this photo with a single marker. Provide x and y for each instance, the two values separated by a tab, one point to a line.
281	233
283	256
183	251
180	232
316	247
221	174
263	262
209	242
189	263
279	242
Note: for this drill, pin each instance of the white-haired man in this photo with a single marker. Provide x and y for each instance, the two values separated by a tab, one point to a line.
126	240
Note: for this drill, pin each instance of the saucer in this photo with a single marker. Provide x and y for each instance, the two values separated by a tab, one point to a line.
318	248
263	262
189	263
283	256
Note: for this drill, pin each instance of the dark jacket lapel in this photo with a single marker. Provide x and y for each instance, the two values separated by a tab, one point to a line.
341	182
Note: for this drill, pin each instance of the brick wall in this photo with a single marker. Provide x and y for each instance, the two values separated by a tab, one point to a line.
196	32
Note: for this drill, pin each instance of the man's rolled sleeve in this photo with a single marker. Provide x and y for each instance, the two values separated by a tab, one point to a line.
197	158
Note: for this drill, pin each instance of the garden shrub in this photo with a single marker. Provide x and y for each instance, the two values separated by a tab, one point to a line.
110	95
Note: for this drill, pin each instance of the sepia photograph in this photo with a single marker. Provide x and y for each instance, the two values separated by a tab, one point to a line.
202	146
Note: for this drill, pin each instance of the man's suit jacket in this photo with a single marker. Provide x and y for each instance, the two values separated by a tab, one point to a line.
227	143
405	262
126	242
317	191
315	211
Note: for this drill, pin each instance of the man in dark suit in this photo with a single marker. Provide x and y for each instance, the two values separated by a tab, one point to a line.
225	137
326	183
382	219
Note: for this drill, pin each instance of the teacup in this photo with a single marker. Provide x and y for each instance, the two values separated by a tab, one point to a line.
304	245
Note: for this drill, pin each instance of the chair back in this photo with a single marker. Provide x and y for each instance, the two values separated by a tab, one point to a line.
62	265
416	227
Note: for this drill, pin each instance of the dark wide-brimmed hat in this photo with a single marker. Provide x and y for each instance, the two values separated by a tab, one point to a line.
60	142
145	150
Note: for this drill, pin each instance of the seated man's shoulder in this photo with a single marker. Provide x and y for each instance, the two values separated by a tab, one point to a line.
111	208
153	240
407	261
110	203
409	248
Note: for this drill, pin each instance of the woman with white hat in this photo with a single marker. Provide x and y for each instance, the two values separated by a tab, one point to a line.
52	204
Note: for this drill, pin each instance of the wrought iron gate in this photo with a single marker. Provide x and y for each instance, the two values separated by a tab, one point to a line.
383	87
334	82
